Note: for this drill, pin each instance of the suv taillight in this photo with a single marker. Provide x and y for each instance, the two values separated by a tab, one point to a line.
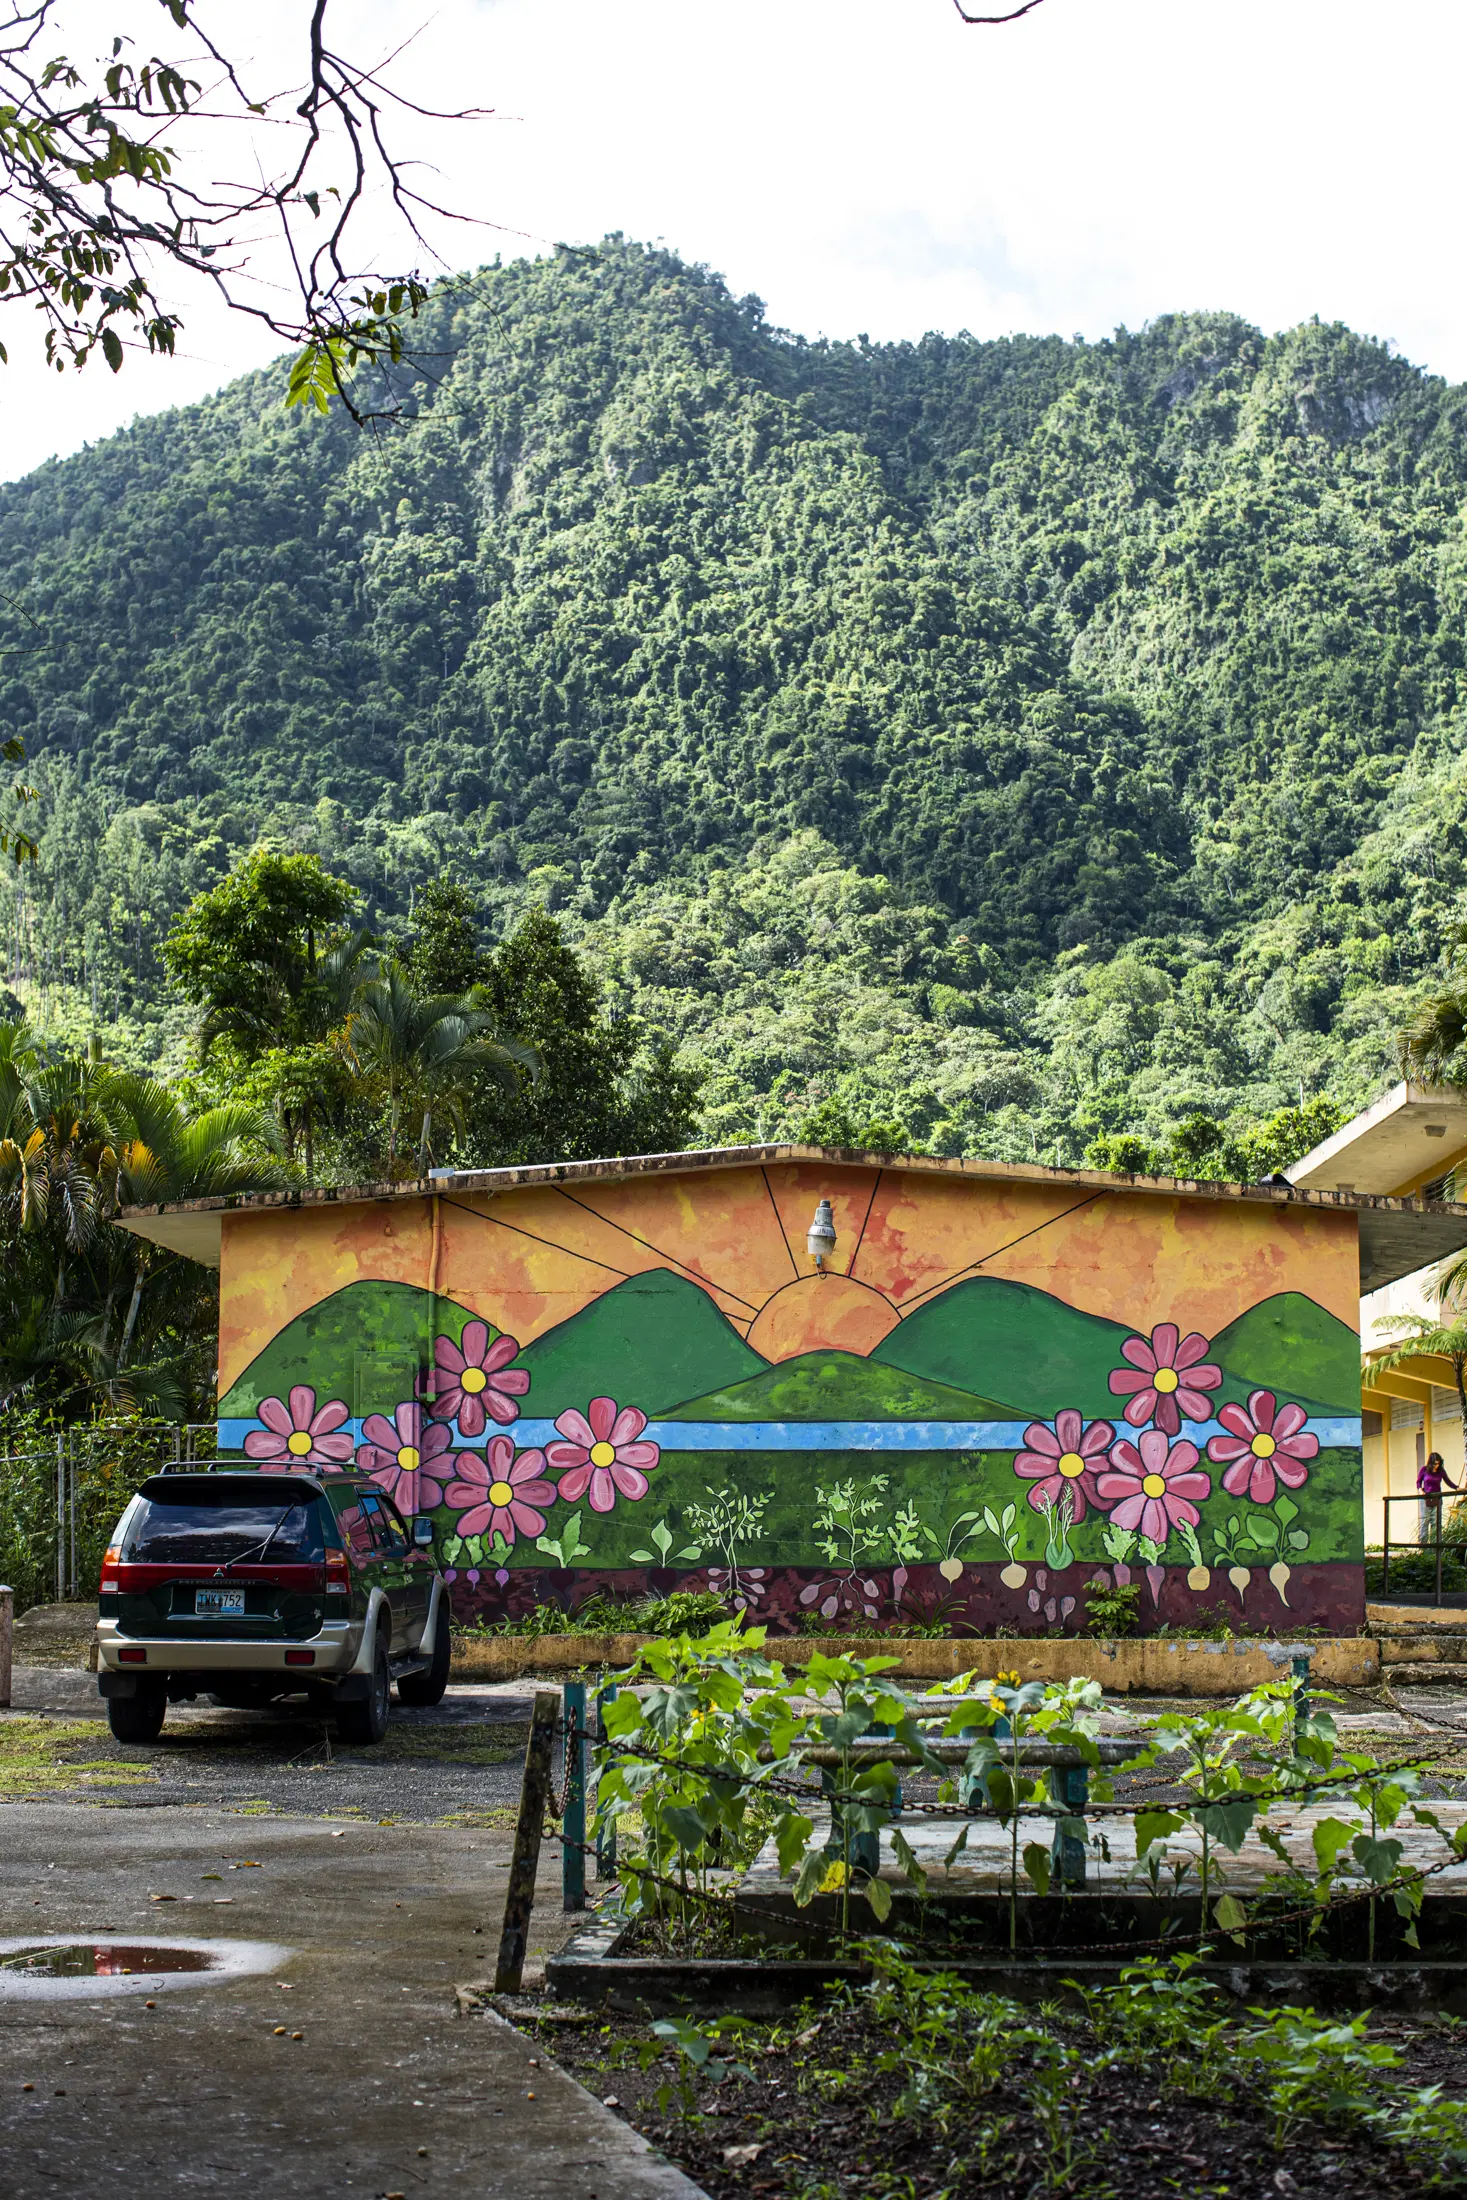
338	1574
111	1565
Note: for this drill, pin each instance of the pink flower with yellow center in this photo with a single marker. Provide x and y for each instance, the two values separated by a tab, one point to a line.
501	1491
473	1380
301	1435
602	1453
1066	1457
1168	1379
408	1456
1265	1445
1153	1485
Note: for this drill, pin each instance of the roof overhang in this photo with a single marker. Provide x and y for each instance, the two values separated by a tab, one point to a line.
1412	1133
1397	1236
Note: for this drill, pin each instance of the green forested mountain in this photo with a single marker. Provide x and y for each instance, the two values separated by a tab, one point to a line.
997	742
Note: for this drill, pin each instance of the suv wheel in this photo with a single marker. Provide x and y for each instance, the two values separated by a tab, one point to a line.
137	1718
427	1688
367	1721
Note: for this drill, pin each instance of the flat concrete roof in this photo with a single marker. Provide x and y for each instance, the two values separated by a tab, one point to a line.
1397	1236
1410	1135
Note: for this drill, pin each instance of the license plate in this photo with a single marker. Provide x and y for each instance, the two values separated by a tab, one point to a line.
218	1603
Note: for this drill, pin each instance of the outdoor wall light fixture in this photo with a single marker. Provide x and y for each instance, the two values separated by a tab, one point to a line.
821	1237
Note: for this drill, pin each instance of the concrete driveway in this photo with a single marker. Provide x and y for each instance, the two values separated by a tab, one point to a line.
388	2090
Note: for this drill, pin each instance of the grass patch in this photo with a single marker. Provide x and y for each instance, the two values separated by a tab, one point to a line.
39	1756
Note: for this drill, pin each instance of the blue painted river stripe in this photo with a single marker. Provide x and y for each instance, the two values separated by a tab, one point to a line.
820	1435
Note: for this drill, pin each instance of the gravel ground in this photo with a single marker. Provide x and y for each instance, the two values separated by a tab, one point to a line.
458	1762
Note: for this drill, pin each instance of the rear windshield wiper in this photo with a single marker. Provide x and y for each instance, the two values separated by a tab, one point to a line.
240	1556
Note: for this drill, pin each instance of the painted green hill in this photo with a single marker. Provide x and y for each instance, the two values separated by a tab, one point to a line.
1291	1345
837	1386
648	1342
1036	1354
365	1345
1009	1342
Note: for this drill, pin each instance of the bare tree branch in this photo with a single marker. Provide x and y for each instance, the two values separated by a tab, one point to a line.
1012	17
100	216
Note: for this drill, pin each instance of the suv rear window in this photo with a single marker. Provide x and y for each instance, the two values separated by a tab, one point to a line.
202	1521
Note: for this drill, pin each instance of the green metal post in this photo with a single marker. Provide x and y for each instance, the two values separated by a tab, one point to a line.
573	1825
605	1838
1073	1785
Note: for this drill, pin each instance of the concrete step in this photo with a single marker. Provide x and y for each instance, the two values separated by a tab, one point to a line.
1404	1649
1435	1671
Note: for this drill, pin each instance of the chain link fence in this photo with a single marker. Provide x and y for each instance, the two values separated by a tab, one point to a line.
62	1495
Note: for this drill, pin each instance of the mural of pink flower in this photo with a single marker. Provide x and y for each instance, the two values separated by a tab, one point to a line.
501	1491
601	1452
1265	1445
1066	1457
1153	1485
301	1434
473	1380
1167	1380
409	1456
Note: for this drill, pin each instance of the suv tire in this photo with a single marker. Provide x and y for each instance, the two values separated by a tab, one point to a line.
422	1689
367	1721
137	1718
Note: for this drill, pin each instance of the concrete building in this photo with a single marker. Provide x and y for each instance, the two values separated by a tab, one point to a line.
850	1387
1411	1144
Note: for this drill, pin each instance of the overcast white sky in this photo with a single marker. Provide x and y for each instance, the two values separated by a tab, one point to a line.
872	165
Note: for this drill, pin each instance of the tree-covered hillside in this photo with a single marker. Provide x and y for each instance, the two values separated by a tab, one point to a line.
1000	742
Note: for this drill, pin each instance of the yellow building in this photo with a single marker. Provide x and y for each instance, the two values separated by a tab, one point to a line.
1412	1144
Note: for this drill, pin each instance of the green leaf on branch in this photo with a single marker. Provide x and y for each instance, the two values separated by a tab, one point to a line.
1378	1859
1231	1916
1227	1822
1037	1864
1331	1835
878	1894
1156	1825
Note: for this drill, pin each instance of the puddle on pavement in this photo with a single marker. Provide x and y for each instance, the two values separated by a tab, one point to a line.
86	1965
104	1959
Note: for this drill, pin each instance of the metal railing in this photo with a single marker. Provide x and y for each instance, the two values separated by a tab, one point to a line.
1413	1543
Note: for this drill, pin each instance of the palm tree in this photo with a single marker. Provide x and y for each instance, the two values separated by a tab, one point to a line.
426	1052
172	1155
1421	1338
1435	1047
78	1140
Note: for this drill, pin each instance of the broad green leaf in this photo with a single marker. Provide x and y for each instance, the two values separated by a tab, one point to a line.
791	1836
1227	1822
1156	1825
1037	1864
1330	1836
1230	1915
878	1894
1377	1859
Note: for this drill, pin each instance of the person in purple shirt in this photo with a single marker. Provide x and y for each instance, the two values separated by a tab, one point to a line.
1431	1479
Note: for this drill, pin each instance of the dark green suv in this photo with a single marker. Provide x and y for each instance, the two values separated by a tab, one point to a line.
249	1586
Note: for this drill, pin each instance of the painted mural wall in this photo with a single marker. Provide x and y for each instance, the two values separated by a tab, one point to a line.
1003	1397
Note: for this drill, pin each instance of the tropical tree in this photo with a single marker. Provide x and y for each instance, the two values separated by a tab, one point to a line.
425	1053
1419	1337
89	1312
1434	1048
